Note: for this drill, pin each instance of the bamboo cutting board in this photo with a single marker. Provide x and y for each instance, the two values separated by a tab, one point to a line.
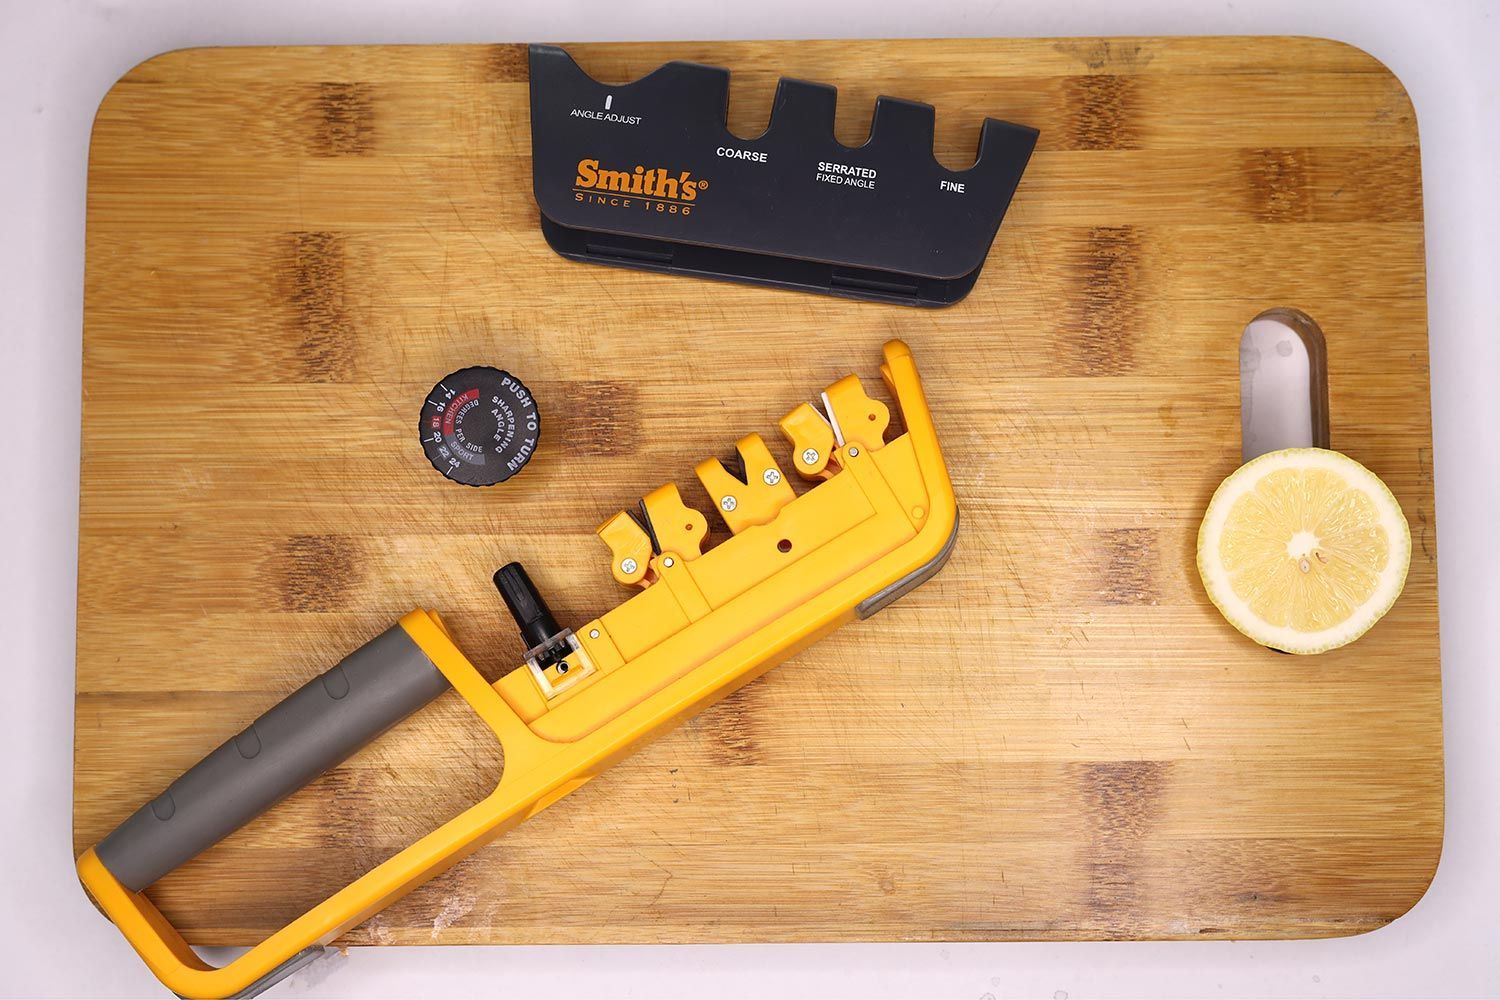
1056	738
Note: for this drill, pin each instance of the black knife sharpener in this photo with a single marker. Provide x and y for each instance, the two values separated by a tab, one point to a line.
647	175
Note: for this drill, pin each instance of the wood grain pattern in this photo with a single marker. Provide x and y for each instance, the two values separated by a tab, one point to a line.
1057	738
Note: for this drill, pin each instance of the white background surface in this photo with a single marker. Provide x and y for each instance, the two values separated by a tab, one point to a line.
58	58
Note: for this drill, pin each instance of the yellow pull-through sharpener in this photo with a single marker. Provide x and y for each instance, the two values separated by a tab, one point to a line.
879	520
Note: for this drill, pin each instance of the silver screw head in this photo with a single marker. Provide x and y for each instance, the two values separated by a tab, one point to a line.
593	633
810	456
629	566
770	477
669	562
729	503
853	452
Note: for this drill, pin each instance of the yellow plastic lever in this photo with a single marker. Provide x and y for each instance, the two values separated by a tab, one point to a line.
811	438
629	549
857	419
680	530
755	500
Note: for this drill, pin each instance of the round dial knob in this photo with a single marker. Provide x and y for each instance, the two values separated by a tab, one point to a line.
479	426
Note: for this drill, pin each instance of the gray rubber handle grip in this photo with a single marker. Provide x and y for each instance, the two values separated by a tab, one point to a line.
310	731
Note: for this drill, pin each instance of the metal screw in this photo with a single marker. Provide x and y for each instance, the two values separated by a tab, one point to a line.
771	477
628	566
669	562
853	452
593	633
562	667
810	456
729	503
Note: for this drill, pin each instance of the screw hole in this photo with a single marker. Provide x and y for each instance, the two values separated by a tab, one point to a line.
785	545
872	416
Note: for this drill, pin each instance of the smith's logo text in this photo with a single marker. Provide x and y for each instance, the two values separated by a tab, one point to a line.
653	190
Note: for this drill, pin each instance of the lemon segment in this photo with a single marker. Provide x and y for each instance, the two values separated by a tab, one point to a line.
1303	549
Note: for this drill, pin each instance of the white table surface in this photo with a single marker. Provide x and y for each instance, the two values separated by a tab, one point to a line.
58	58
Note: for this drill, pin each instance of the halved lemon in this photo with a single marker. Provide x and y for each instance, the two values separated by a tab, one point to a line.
1303	549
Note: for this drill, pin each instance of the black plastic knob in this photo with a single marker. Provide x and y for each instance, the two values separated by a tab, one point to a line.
531	613
480	426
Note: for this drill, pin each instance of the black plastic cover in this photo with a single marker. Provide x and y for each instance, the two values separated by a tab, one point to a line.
647	175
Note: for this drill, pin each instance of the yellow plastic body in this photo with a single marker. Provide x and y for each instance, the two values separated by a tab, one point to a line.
705	624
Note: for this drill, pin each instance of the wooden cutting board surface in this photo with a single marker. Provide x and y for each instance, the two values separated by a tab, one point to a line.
1057	738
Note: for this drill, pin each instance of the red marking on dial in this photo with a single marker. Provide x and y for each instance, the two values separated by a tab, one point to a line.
454	405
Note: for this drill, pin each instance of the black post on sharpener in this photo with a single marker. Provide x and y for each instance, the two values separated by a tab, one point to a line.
545	639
